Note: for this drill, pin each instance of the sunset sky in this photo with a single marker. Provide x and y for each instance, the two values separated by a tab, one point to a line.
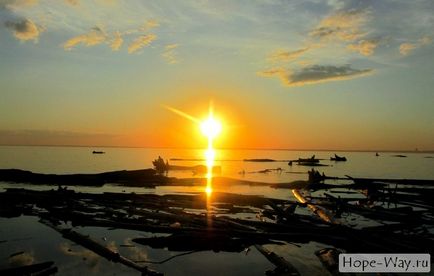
312	74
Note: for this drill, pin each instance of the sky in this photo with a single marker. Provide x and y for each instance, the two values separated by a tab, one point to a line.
281	74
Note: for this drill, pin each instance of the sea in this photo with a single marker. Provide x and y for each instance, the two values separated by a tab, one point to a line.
66	160
36	242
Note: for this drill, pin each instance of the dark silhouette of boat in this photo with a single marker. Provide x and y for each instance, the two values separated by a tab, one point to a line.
338	158
98	152
312	161
308	160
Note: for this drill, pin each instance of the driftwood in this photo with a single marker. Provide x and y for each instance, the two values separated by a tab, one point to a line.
166	214
207	241
420	182
283	267
101	250
261	160
196	222
146	177
45	268
318	210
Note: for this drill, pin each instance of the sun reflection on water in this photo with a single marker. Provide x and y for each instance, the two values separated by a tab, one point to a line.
210	127
209	155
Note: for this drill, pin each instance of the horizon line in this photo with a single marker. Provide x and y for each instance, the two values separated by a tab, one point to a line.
193	148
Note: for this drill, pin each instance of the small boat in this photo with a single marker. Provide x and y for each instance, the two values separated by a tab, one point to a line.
308	160
98	152
338	158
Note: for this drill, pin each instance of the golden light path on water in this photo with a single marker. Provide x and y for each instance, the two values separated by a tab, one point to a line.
210	128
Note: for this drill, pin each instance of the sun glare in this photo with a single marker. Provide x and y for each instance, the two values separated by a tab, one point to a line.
211	127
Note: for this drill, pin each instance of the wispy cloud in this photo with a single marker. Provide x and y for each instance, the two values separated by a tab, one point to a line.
116	42
170	54
407	48
364	47
426	40
343	25
149	24
94	37
115	39
140	42
73	2
315	74
286	56
24	29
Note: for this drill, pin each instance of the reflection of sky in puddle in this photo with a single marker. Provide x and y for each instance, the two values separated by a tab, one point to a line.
40	244
163	190
44	244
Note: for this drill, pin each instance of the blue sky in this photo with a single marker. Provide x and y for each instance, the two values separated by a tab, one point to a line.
288	74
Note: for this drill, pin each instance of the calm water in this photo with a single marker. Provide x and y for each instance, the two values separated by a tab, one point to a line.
41	243
81	159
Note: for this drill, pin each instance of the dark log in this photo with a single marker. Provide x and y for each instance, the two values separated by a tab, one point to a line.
145	177
101	250
206	241
283	267
27	269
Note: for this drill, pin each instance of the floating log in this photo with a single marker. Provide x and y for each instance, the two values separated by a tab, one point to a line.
101	250
318	210
259	160
145	177
421	182
298	184
28	269
311	164
16	254
283	267
207	241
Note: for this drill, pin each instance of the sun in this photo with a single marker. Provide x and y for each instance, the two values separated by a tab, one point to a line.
211	127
